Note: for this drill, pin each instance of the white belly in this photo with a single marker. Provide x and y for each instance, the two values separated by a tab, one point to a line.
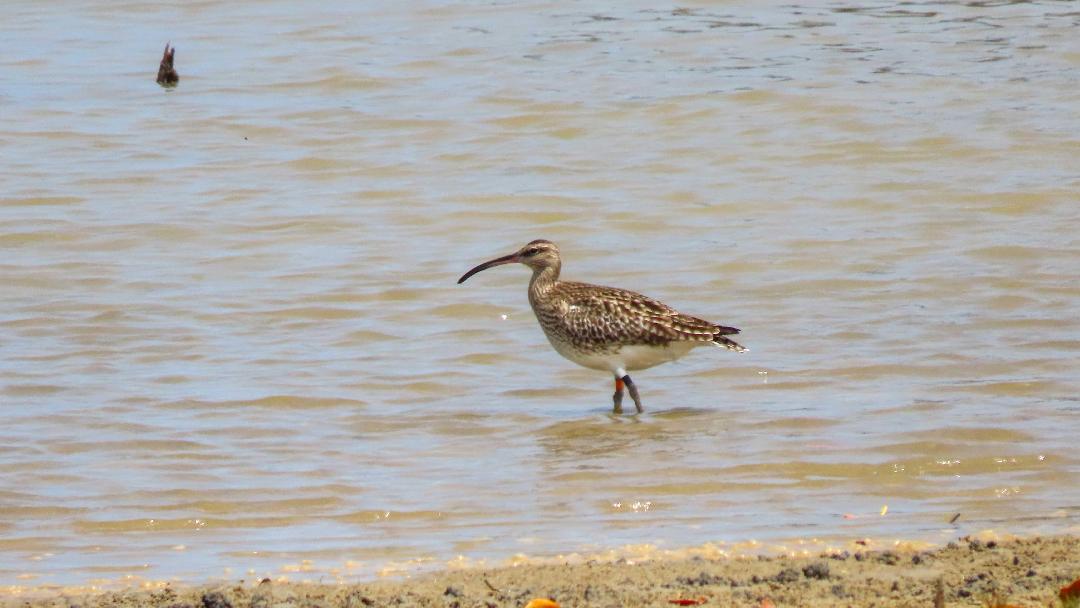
625	358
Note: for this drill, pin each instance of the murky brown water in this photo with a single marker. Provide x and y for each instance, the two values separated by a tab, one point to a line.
231	343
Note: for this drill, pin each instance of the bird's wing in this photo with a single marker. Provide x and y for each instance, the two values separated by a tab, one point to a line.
618	316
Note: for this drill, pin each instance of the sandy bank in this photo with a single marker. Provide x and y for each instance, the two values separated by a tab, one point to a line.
1026	572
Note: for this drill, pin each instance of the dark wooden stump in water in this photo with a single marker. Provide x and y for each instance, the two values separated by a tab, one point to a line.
166	74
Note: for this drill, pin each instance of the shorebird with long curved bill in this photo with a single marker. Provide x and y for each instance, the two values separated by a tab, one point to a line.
606	328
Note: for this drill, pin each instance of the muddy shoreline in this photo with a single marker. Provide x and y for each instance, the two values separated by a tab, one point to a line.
967	572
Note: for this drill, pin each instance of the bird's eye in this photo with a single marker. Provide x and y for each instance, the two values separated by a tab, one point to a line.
531	251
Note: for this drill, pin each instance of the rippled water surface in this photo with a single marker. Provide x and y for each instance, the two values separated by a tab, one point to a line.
231	342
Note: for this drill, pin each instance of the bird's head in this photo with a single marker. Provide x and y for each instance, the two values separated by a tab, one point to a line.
538	255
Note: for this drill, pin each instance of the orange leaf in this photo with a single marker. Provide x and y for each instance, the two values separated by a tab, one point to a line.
542	602
1070	591
767	603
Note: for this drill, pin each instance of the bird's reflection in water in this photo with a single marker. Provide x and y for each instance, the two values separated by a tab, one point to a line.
611	435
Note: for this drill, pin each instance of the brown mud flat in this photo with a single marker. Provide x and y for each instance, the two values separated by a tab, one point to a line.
972	572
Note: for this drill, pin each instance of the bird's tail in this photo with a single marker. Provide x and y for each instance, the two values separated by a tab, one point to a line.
723	342
728	343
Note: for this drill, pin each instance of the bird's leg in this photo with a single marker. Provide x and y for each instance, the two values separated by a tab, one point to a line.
617	397
633	392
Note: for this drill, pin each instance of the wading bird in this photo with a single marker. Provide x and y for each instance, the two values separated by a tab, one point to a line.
606	328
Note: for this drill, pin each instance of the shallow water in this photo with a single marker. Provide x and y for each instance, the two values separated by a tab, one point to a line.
231	343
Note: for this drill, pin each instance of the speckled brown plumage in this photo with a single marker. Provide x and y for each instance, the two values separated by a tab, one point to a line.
599	318
607	328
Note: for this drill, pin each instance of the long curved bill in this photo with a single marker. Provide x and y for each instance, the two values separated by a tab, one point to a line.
506	259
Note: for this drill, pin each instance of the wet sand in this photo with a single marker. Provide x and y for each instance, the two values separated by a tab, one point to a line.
971	571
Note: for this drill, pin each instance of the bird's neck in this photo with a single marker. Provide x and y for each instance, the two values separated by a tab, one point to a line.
543	280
